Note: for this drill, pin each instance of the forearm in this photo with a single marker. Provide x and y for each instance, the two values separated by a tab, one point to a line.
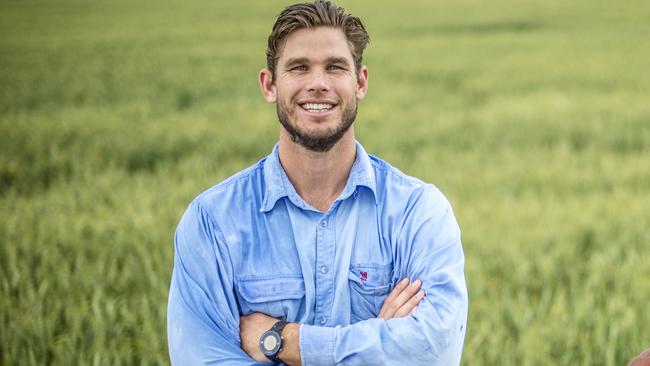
290	353
433	334
423	338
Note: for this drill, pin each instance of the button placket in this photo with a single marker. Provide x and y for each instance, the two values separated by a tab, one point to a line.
325	252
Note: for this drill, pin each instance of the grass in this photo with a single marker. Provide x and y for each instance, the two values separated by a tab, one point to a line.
532	117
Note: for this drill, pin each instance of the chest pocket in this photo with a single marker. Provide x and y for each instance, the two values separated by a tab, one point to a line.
279	296
369	287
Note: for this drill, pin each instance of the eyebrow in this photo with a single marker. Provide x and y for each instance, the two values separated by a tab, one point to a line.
304	60
295	61
338	60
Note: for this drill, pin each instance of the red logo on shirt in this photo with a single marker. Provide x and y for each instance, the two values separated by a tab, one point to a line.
364	276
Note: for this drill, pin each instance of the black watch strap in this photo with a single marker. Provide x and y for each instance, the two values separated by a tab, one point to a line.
277	329
279	325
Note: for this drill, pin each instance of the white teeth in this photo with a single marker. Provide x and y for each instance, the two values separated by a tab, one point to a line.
317	107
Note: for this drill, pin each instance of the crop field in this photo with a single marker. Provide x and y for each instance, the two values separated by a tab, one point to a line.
533	117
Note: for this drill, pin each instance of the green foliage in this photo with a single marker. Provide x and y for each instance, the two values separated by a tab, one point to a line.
533	118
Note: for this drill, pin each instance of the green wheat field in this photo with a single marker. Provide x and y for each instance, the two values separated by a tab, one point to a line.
533	117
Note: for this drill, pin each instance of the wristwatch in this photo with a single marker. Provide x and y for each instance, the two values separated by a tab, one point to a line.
271	341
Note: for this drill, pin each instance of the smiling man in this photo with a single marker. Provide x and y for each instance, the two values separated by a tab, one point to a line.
320	254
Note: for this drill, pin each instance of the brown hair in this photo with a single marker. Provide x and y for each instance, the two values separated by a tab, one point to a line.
311	15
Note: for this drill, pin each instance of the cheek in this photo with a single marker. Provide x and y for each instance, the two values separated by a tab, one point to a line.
288	87
286	106
287	96
352	90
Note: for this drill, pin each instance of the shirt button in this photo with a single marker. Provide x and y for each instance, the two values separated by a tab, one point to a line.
323	320
323	223
324	269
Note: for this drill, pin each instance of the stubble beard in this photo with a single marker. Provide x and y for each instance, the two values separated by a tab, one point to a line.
317	142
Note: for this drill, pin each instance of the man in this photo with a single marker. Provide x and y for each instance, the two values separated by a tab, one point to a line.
319	254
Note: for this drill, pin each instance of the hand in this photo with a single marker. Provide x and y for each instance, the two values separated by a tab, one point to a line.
251	328
403	300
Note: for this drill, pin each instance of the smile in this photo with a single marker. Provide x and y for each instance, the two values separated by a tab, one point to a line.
317	107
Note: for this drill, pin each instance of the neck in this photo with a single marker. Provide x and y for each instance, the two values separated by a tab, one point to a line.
318	177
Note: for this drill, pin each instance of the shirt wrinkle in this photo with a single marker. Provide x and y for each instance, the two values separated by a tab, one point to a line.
345	262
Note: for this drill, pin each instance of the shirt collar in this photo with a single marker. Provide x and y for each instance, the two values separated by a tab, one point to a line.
278	185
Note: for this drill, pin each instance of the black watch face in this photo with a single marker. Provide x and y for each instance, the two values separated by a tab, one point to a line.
270	343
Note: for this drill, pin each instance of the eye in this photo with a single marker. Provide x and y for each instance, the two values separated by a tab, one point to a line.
298	68
334	68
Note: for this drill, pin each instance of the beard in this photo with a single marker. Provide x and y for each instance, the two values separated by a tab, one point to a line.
318	142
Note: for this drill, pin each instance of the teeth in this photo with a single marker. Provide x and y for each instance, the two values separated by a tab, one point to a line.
316	107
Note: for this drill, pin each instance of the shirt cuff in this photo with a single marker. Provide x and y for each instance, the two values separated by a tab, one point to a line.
317	345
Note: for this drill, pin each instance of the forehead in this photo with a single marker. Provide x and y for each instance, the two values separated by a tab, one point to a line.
316	43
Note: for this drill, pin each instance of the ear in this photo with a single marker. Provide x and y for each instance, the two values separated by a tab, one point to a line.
362	82
267	86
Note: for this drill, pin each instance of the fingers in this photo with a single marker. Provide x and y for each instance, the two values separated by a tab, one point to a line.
402	300
410	306
407	297
388	308
401	285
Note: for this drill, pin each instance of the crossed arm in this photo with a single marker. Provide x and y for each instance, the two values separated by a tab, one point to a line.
402	301
204	321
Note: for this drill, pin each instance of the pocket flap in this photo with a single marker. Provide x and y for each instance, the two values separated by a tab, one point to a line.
364	288
271	288
371	279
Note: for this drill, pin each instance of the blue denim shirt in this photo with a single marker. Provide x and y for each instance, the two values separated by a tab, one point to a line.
252	244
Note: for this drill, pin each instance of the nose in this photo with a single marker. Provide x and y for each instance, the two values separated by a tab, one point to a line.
318	82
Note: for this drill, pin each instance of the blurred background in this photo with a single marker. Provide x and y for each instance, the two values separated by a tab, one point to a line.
533	117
